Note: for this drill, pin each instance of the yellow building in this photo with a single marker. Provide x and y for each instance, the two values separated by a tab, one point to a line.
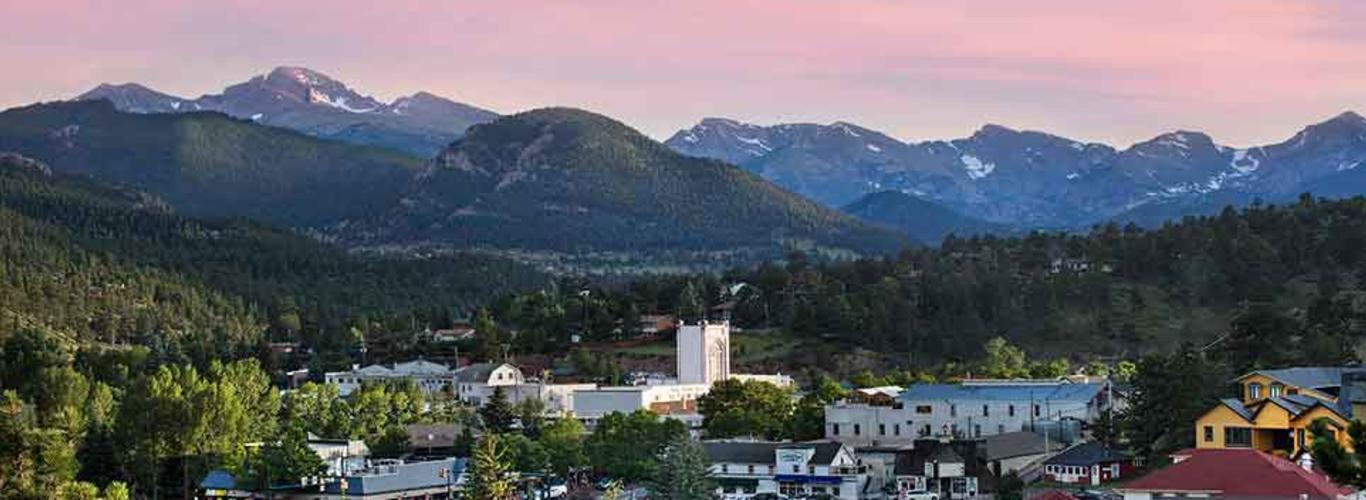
1276	408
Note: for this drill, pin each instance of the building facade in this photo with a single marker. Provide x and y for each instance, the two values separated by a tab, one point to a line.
475	383
1088	464
430	377
1275	409
703	353
744	469
971	409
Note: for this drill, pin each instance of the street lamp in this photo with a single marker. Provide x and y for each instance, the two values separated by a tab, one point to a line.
445	473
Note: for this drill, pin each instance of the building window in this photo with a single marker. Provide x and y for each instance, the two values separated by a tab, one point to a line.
1237	437
977	430
1036	410
750	469
1010	410
858	430
882	429
835	429
1254	391
1209	433
986	411
1000	428
953	410
1276	389
896	429
924	409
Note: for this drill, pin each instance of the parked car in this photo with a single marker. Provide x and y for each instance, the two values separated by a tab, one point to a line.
919	495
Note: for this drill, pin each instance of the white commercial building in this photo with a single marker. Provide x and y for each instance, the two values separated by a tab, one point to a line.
430	377
475	383
744	469
558	398
967	410
665	399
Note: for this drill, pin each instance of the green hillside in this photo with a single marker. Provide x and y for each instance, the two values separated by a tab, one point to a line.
209	164
572	181
109	265
922	220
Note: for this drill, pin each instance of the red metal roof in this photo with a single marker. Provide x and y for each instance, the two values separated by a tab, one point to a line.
1237	472
1053	495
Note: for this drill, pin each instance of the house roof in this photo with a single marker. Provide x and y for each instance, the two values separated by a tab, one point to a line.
1309	377
478	372
1023	391
912	462
1225	472
420	367
1015	444
218	479
1237	407
740	452
825	451
1054	495
374	371
394	478
1088	453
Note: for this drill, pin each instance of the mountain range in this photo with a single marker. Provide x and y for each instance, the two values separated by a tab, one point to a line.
316	104
557	180
1028	179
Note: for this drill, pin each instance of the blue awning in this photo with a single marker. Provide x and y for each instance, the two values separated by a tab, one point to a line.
802	479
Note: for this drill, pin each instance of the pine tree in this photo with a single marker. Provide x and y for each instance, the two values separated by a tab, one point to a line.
488	471
497	413
682	472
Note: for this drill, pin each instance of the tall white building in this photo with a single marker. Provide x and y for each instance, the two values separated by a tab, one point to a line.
703	353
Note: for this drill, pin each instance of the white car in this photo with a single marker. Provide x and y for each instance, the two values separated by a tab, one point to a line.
919	495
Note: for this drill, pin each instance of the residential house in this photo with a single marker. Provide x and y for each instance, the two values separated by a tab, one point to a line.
475	383
1016	451
456	333
1090	463
974	408
1232	473
342	456
744	469
430	377
653	324
949	469
393	479
1275	409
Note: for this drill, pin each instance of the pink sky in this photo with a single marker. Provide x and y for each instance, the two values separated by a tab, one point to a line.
1120	71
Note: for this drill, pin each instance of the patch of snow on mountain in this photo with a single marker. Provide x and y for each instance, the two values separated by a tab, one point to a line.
690	138
1348	166
1073	176
175	105
1243	163
1078	146
846	129
759	143
340	103
873	148
975	168
257	117
1175	142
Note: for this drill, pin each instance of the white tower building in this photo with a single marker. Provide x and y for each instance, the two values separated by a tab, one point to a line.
704	353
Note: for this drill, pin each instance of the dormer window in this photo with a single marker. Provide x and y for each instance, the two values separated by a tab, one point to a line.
1254	391
1276	389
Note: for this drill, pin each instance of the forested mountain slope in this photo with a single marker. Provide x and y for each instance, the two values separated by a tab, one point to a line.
569	180
110	265
208	164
